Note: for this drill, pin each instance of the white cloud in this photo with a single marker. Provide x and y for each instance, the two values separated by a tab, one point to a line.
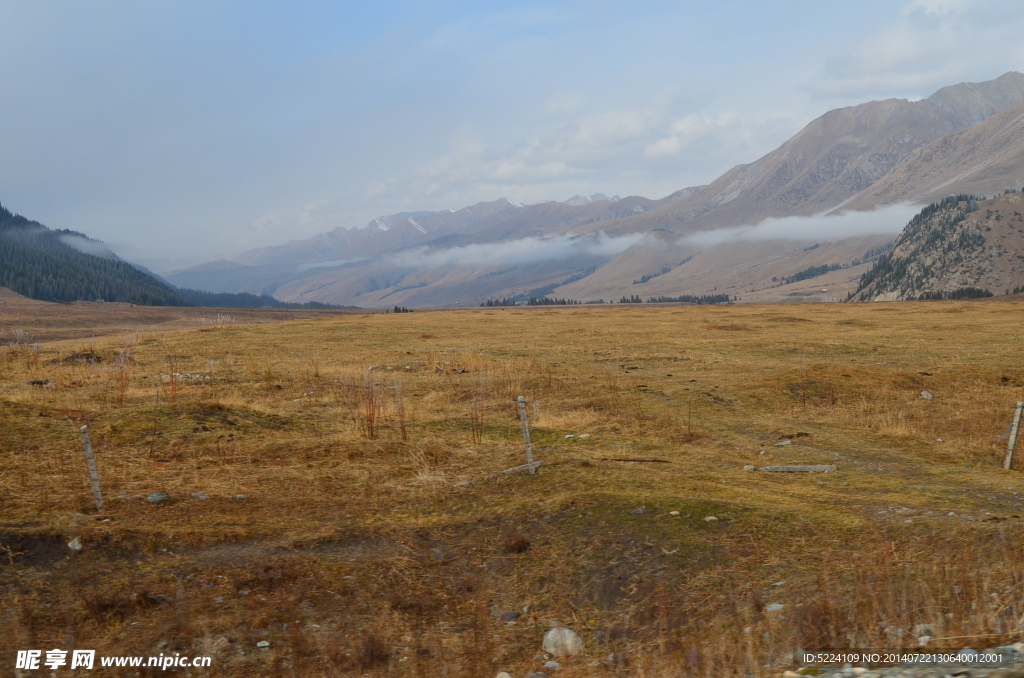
928	45
517	252
88	246
884	221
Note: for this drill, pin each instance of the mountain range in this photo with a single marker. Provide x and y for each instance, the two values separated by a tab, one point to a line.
865	166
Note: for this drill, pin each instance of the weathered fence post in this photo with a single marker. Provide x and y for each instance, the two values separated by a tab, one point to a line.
93	475
1014	428
521	402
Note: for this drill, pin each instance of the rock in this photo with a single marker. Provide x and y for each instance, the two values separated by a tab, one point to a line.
41	383
510	616
75	544
562	642
537	675
775	607
553	665
243	592
156	498
749	467
240	496
218	600
710	519
923	640
801	468
926	395
673	513
263	643
569	435
200	495
585	436
503	675
783	443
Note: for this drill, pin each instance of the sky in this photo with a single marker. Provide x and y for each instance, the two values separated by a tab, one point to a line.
182	132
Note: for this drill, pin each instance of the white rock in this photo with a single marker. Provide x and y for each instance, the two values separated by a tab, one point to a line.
562	642
926	395
710	519
749	467
263	643
503	675
585	435
553	665
673	513
75	544
569	435
774	607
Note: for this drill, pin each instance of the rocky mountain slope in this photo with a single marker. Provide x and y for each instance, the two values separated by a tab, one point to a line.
951	248
986	159
498	249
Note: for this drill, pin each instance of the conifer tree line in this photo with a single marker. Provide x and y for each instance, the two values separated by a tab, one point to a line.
36	262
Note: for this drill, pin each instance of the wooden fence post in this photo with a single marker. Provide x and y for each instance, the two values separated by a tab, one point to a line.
1014	428
521	402
93	475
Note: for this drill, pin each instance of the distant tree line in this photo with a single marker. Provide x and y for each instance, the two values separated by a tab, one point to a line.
701	299
960	293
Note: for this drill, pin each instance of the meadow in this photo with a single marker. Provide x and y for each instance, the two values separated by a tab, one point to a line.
311	467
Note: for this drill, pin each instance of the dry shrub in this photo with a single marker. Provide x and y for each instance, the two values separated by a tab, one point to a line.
372	651
515	542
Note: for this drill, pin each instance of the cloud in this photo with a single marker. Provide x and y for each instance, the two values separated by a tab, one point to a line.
88	246
924	48
517	252
820	228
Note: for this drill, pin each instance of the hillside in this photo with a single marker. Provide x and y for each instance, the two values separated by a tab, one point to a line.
956	248
43	264
984	160
503	249
62	265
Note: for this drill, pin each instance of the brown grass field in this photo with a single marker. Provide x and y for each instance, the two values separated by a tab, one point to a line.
328	449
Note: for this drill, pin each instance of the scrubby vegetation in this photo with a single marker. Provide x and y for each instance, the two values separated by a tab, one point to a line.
310	470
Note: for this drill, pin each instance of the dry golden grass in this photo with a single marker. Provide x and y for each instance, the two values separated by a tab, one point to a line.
360	557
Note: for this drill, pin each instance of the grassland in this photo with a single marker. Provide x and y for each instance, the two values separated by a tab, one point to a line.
327	450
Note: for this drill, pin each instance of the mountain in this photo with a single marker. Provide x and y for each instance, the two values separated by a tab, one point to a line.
986	159
957	248
661	248
62	265
839	155
586	199
383	234
65	265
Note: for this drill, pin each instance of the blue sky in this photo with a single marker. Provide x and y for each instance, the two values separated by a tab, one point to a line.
182	132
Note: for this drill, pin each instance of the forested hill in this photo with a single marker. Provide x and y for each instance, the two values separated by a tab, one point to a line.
41	263
38	262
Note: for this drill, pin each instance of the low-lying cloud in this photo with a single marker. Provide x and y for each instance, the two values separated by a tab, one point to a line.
88	246
518	252
820	228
